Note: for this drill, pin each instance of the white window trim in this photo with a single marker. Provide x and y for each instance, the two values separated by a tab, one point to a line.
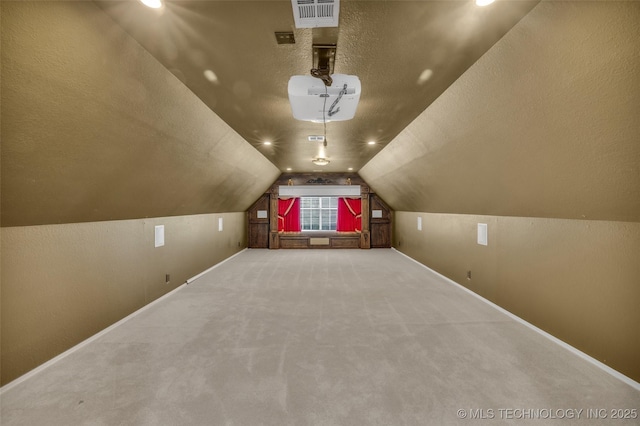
320	209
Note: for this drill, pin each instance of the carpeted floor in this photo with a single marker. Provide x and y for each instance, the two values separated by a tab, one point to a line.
320	337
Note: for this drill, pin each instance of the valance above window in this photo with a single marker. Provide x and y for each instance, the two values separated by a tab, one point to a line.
319	191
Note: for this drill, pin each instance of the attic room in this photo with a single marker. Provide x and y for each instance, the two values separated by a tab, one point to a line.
173	240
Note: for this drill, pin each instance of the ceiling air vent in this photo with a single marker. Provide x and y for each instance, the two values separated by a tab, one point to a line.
316	138
316	13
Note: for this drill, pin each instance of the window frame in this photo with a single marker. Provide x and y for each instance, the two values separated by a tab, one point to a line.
307	220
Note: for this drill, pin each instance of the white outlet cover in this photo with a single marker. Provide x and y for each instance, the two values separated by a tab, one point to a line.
482	234
419	223
159	235
220	224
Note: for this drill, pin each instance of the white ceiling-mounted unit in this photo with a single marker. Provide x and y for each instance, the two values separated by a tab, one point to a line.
316	13
311	100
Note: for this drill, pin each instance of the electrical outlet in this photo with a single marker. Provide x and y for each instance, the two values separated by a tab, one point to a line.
167	278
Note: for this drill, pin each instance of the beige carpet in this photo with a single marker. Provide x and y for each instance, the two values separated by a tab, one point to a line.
320	337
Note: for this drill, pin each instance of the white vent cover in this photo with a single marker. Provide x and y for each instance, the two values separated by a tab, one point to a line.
315	138
311	100
316	13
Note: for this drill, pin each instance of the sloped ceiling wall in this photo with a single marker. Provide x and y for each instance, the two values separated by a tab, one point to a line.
94	128
543	125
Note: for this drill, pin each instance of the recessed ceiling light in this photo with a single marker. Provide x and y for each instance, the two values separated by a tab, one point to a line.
154	4
350	168
211	76
267	143
371	143
289	169
426	75
483	2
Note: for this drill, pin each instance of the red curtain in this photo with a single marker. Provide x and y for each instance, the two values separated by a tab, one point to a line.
349	215
288	214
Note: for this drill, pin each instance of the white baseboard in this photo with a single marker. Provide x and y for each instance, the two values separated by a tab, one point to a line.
101	333
618	375
192	279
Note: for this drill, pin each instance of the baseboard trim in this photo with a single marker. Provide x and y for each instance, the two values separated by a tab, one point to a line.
195	277
615	373
101	333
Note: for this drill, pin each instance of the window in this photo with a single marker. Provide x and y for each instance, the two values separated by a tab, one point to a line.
318	213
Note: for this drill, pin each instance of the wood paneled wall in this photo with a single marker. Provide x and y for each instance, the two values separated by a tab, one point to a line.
258	219
380	227
263	217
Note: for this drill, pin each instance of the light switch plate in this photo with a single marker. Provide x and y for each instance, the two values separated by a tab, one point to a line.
482	234
159	236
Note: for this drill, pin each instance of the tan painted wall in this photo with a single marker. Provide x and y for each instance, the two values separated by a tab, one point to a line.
545	124
540	140
576	279
97	138
94	128
63	283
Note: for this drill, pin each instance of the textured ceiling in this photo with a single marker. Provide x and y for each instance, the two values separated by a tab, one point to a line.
387	44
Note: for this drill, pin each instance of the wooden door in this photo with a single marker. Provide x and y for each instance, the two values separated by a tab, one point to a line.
259	223
380	217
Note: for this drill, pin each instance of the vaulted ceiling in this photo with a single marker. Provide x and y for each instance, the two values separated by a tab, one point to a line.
405	53
111	110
